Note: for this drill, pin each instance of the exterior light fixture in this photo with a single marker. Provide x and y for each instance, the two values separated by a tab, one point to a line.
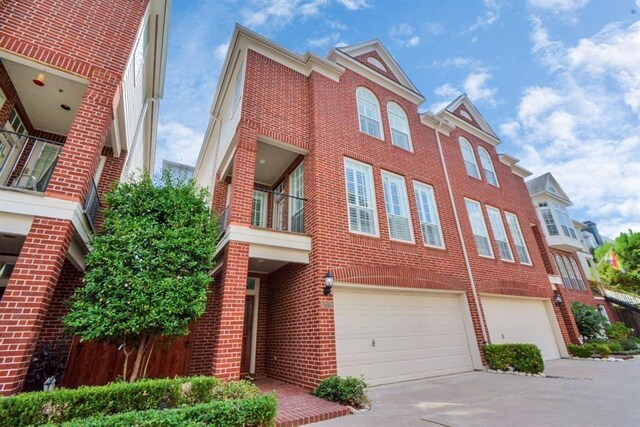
39	81
328	283
557	297
65	107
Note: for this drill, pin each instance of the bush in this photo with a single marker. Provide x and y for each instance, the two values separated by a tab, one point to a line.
348	391
579	350
618	331
629	344
62	405
252	411
589	350
615	346
590	322
520	357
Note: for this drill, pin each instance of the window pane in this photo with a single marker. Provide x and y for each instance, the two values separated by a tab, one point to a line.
399	125
578	275
369	113
428	213
487	166
469	158
479	228
563	272
500	234
518	239
395	198
549	222
359	185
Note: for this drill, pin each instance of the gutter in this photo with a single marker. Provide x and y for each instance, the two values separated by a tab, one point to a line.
459	229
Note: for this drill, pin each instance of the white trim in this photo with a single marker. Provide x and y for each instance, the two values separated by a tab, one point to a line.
464	143
464	100
462	124
254	326
292	201
393	104
406	205
359	99
283	246
435	212
486	229
502	229
512	163
492	169
524	242
374	206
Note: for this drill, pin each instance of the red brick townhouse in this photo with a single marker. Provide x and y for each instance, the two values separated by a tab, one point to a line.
79	88
566	247
324	173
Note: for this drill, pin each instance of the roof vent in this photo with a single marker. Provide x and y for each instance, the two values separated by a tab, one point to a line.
373	61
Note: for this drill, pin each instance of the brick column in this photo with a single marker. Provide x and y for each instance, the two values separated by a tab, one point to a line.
564	310
26	300
230	299
81	152
242	179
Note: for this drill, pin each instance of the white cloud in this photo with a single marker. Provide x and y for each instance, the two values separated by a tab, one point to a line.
178	143
447	90
583	127
558	6
404	35
313	7
475	86
458	62
279	13
354	4
320	42
490	16
220	52
435	28
550	52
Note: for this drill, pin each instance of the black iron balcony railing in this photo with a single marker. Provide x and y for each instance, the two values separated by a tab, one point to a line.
222	221
92	204
26	161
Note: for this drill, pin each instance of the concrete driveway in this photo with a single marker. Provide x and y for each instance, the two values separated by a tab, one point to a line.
574	393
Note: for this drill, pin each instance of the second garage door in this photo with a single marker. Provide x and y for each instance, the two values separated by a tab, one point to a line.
390	336
520	320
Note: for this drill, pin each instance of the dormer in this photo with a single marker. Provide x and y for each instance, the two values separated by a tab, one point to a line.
463	114
551	203
374	62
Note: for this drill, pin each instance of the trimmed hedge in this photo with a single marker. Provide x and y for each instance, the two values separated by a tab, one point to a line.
63	405
521	357
589	350
253	411
348	390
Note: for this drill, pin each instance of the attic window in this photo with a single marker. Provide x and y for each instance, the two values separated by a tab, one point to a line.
552	189
466	115
373	61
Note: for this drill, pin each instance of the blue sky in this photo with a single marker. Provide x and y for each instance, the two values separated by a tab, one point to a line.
559	80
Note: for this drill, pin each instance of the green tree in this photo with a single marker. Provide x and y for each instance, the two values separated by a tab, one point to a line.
590	323
627	248
148	270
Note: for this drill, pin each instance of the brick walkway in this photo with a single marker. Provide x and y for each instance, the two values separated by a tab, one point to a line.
297	407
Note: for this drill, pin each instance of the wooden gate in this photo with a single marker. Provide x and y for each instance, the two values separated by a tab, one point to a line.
100	363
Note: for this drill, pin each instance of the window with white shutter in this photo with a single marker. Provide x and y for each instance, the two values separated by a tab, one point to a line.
296	209
518	238
259	211
499	233
428	212
360	198
395	200
479	228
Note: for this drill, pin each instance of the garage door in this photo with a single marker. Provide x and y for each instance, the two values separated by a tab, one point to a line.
396	336
517	320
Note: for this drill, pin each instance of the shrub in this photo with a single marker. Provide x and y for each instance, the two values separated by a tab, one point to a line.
618	331
615	346
252	411
590	322
62	405
590	349
520	357
579	350
629	344
348	390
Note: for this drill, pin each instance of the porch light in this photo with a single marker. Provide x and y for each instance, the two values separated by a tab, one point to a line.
328	283
557	297
39	81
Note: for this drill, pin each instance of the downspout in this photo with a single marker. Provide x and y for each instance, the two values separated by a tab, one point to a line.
459	228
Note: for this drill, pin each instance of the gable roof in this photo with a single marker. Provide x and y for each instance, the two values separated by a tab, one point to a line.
376	46
543	184
463	100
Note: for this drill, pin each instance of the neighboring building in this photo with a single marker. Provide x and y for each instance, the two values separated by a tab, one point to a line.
586	258
323	167
176	169
567	248
591	228
79	88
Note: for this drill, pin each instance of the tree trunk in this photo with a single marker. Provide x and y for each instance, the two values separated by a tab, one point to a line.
139	354
126	360
148	356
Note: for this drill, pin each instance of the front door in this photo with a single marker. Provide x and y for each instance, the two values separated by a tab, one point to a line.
247	335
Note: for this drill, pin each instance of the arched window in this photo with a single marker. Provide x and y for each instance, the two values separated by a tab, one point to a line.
469	158
563	272
399	124
572	274
578	275
369	113
487	166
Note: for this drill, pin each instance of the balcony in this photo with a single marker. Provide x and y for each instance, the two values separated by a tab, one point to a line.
564	243
26	162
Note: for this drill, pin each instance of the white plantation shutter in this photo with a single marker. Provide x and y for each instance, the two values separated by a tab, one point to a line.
296	213
499	233
359	182
487	166
479	228
428	212
395	199
258	212
518	239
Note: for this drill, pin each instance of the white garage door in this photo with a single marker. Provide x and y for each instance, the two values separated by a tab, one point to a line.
517	320
392	336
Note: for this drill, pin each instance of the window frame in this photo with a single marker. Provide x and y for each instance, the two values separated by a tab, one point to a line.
404	198
362	89
374	204
581	283
484	223
263	214
491	169
566	282
504	231
292	201
464	143
520	236
562	214
571	272
403	116
436	214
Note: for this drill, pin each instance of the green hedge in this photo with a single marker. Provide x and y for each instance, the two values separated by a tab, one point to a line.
521	357
253	411
70	404
589	350
348	391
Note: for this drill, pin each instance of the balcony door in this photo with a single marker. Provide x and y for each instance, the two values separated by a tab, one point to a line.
11	145
279	200
296	208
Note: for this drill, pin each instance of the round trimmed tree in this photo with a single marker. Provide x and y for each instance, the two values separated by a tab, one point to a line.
149	268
